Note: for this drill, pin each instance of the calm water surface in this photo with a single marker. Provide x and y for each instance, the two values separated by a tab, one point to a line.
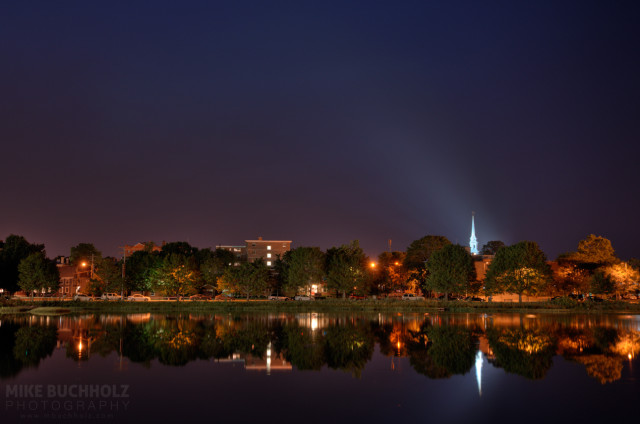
321	368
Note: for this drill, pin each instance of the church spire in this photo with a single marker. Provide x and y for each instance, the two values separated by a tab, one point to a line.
473	242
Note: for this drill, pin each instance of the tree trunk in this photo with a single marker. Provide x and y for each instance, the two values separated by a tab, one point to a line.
344	295
446	297
519	297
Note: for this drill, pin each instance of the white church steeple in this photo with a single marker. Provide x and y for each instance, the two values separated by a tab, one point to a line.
473	242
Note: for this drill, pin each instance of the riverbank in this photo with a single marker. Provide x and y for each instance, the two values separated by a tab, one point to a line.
328	305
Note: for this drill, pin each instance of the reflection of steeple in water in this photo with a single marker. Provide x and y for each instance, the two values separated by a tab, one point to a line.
479	371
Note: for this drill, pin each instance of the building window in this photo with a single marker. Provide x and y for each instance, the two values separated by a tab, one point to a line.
268	255
268	247
268	263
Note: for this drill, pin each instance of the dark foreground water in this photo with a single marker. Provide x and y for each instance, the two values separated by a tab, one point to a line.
324	368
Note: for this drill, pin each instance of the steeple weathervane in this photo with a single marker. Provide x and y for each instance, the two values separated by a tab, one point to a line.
473	242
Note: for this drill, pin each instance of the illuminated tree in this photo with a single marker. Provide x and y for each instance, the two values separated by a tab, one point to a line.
626	279
521	268
391	275
569	278
177	276
595	251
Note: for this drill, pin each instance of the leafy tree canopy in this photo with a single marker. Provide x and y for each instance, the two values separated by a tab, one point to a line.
521	268
37	273
419	251
15	249
346	268
595	250
305	267
451	270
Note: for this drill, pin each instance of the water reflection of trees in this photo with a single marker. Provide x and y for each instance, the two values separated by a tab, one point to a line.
436	346
524	351
441	351
23	346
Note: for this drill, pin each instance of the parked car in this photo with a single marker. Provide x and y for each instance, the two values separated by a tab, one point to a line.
276	297
224	296
357	297
303	297
473	299
138	298
200	297
111	296
411	296
82	297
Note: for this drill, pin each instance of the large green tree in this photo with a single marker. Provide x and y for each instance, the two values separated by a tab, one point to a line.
37	273
214	263
250	279
107	277
450	270
176	275
521	268
419	251
15	248
138	268
305	267
346	268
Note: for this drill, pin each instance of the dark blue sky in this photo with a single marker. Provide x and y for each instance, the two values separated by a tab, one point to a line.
320	122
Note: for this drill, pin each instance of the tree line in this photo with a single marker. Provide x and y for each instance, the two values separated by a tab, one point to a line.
430	265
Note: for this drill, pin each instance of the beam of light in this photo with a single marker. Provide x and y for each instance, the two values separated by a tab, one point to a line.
479	371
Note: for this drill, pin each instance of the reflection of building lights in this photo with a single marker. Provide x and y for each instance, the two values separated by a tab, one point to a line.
314	323
630	356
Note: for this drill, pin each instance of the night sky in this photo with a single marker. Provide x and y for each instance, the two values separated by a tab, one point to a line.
320	122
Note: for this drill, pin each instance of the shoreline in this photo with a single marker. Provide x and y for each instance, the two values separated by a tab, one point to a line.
328	305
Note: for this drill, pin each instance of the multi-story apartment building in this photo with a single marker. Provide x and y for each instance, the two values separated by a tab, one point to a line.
268	250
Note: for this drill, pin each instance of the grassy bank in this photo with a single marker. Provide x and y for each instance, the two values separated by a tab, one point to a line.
329	305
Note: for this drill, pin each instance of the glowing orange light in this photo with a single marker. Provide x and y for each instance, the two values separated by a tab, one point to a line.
397	263
372	264
83	264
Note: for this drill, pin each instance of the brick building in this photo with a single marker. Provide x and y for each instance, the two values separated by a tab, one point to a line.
268	250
